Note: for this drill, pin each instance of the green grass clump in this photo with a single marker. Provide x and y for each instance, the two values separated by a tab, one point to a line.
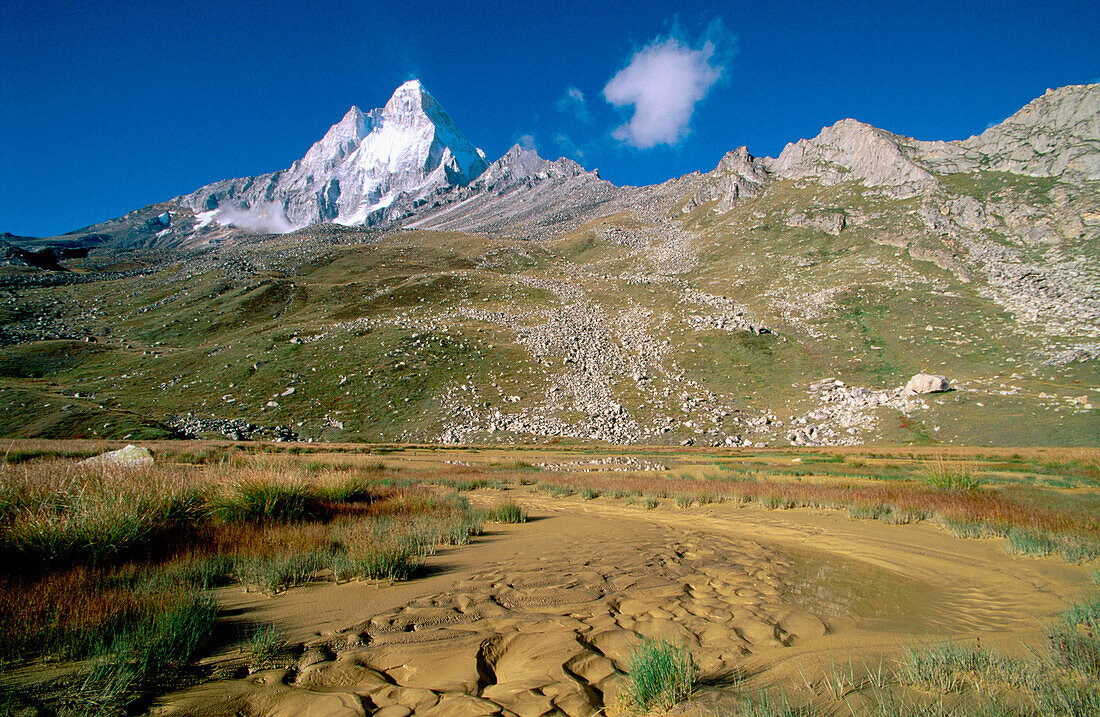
1075	638
377	562
146	648
1022	541
560	491
589	493
464	486
683	501
949	475
253	501
351	490
649	503
272	574
1069	698
99	522
264	645
773	501
963	528
950	667
204	573
868	512
887	514
507	512
660	675
764	705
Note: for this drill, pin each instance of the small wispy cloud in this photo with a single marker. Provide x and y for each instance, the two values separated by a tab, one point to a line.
568	146
664	81
527	141
573	102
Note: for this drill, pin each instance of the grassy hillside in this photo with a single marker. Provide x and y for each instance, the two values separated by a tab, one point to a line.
420	336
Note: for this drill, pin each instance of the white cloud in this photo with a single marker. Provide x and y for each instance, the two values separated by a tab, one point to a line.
264	218
527	141
664	81
573	101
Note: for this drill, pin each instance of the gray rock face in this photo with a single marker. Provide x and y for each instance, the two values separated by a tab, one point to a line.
1053	135
519	195
830	221
927	383
129	457
523	166
854	150
739	175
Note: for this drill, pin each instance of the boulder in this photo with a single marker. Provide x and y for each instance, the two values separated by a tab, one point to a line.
129	457
927	383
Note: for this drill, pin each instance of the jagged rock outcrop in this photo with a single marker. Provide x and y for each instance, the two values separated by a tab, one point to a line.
739	175
522	166
368	167
854	150
520	194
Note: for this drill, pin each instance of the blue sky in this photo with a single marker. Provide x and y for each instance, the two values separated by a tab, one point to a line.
109	106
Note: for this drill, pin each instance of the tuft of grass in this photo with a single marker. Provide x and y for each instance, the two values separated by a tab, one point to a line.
683	501
963	528
950	667
950	475
1075	638
92	517
773	501
357	489
264	645
384	562
589	493
145	649
254	500
887	514
765	705
649	503
1022	541
279	572
660	675
507	512
1069	698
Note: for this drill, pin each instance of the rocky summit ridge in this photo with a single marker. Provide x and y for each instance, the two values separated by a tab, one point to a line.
366	168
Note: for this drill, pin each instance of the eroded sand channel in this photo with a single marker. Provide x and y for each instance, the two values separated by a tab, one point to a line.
540	618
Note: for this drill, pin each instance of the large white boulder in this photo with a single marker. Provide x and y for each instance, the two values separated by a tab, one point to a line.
927	383
129	457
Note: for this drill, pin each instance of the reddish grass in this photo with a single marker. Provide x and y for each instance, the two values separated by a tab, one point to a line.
74	607
988	507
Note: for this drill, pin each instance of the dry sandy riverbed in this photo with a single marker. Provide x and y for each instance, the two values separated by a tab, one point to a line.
540	618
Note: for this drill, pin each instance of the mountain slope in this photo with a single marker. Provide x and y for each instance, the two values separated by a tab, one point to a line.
765	302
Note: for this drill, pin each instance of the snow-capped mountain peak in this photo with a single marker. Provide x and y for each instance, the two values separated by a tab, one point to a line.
369	166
